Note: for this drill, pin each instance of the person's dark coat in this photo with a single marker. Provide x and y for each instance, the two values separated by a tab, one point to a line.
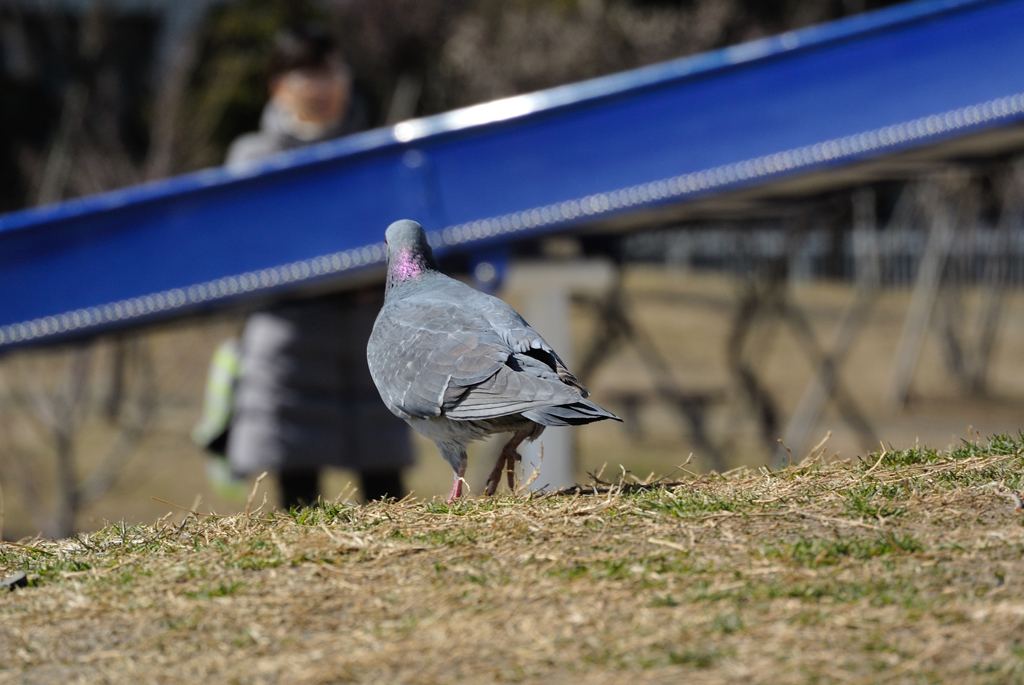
305	399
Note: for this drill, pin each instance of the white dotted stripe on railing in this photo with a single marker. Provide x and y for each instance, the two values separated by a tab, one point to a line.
192	295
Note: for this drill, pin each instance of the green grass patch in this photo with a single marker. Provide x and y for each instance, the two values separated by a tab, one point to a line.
215	590
813	552
696	657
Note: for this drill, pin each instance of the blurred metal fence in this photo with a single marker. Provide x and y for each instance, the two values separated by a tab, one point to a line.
828	253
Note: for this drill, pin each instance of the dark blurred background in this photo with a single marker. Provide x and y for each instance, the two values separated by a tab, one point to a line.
98	94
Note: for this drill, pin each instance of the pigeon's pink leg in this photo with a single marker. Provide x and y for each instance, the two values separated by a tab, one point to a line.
456	490
506	462
457	485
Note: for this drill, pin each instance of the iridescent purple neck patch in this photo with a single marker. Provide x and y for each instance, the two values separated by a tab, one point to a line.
407	266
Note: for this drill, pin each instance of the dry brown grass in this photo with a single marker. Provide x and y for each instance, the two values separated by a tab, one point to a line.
903	567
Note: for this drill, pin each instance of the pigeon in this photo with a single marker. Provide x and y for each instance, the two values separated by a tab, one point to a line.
459	365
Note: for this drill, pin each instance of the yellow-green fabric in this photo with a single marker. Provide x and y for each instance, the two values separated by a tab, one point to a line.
219	400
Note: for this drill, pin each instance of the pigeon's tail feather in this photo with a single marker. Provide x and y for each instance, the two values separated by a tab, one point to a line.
575	414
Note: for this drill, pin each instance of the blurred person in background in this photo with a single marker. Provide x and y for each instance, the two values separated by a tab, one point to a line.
296	395
311	98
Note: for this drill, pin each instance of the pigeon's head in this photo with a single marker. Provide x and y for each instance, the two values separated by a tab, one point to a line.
409	253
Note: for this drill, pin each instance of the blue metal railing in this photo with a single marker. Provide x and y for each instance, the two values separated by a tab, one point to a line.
807	101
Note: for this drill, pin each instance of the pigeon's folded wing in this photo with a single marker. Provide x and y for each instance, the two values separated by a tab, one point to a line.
521	384
519	335
419	349
513	330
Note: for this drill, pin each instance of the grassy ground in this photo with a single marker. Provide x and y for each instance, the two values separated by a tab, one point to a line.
903	566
